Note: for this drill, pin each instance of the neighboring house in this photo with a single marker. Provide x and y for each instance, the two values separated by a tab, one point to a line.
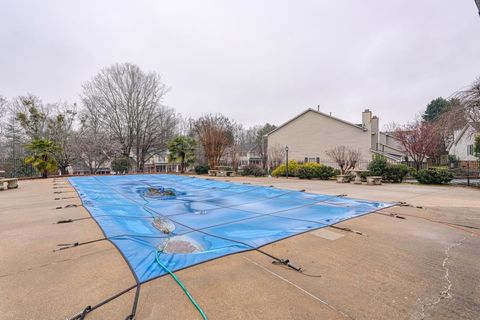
159	163
252	156
82	169
156	163
311	133
462	144
248	154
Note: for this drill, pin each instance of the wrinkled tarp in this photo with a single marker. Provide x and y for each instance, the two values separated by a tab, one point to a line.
193	220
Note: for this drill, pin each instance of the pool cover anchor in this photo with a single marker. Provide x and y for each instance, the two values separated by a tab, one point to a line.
64	198
287	263
280	261
65	246
392	215
64	221
349	230
72	220
405	204
67	206
83	314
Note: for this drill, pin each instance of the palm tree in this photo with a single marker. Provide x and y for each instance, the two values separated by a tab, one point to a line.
182	149
42	157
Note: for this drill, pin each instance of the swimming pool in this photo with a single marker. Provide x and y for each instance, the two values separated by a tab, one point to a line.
191	220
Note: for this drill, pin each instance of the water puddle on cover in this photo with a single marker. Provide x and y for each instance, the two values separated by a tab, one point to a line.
180	244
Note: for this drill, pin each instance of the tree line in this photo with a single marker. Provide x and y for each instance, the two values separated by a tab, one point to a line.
122	118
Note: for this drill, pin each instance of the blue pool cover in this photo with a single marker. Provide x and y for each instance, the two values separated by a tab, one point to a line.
192	220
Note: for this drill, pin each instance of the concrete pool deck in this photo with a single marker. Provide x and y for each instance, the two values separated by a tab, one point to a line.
412	268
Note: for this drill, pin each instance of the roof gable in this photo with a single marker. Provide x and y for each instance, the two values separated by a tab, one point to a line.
319	113
462	133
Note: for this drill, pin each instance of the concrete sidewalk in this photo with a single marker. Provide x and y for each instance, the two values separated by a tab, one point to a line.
413	268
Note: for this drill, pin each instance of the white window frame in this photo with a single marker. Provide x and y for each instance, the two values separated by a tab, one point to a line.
470	149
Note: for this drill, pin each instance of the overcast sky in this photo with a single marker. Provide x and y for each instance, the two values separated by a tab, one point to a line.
255	61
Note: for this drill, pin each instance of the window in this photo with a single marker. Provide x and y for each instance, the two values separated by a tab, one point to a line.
470	150
310	159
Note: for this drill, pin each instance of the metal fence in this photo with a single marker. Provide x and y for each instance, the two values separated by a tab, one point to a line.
465	172
16	168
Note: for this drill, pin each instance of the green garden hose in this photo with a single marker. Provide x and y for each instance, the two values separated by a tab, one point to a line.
157	258
204	316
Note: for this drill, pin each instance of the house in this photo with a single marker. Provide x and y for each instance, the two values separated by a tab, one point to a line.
251	155
158	163
244	155
462	145
311	133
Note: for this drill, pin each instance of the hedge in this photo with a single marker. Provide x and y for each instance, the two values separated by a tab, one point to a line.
433	176
201	169
253	170
309	170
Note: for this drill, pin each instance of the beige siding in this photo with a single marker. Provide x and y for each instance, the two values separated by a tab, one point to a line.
312	134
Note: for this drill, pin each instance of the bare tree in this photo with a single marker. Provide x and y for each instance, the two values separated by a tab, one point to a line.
239	142
185	126
346	158
215	135
3	126
470	99
260	140
128	103
93	147
3	105
276	155
419	139
448	122
153	135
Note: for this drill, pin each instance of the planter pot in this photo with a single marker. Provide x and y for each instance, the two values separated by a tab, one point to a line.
374	180
343	178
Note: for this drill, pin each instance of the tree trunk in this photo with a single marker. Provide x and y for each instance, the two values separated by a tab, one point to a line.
182	163
417	165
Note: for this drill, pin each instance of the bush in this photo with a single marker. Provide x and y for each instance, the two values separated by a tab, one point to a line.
253	170
201	169
390	172
433	176
308	170
378	165
395	172
280	171
120	165
326	172
312	170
